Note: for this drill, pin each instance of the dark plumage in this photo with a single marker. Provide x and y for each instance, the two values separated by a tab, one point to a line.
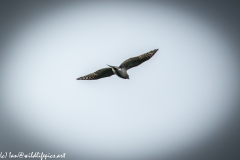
135	61
101	73
120	71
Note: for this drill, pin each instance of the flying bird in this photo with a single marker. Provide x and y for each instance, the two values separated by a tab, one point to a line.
120	71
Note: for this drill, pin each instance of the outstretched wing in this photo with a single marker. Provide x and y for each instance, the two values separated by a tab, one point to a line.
101	73
135	61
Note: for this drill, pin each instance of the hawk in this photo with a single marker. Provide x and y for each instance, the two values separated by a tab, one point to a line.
120	71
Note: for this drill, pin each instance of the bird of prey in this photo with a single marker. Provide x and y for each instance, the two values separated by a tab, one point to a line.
120	71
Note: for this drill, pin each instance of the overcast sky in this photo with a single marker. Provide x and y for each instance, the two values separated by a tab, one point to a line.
184	95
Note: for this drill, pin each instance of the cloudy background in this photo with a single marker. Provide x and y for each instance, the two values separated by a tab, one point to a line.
182	104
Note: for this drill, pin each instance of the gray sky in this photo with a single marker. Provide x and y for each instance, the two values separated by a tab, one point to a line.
179	98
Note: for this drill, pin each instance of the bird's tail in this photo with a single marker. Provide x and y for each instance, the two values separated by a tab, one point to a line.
110	66
115	67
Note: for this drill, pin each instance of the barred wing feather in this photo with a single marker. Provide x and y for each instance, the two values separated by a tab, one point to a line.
135	61
101	73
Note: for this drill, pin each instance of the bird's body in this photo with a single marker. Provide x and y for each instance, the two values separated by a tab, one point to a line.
120	71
